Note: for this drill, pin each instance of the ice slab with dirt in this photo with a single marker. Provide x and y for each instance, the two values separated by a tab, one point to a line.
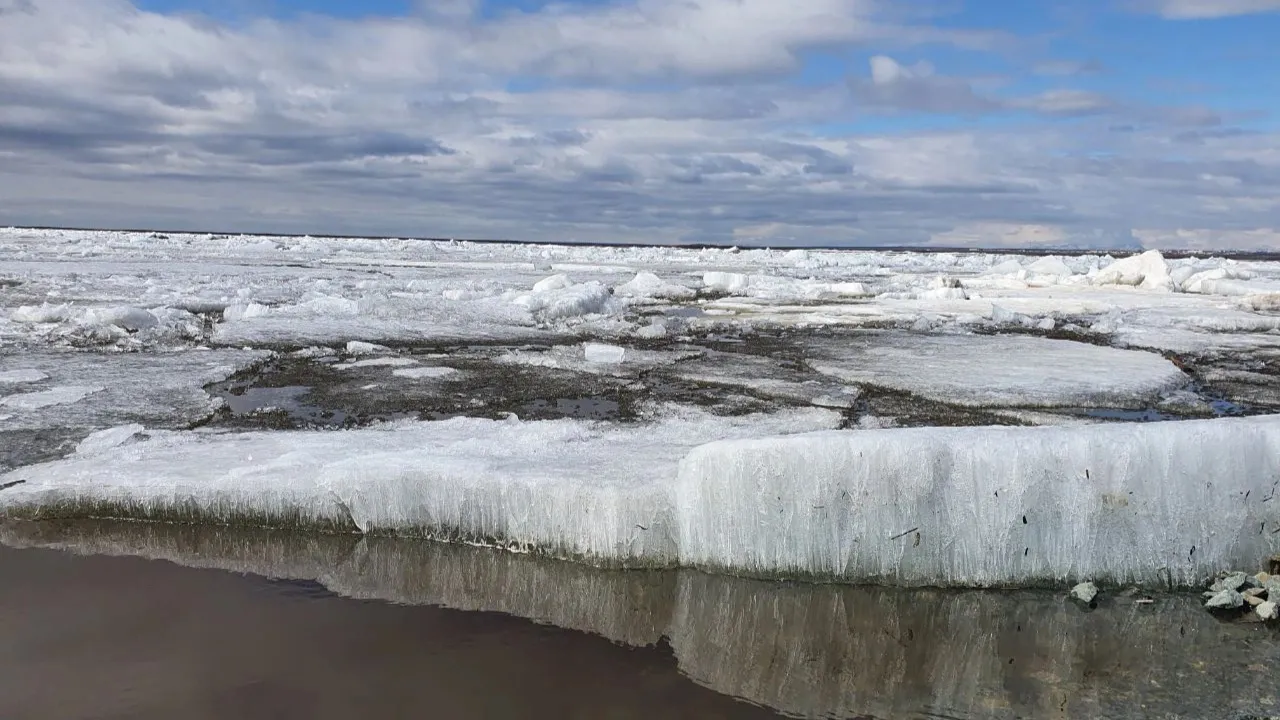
597	358
767	376
998	370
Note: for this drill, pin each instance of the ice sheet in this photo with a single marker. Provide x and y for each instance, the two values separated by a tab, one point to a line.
931	506
568	488
999	371
60	395
988	506
92	390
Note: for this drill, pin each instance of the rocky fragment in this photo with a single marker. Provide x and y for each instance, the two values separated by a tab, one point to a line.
1268	610
1227	599
1233	581
1085	592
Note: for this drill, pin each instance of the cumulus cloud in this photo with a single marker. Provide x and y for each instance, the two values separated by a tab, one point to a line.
639	120
916	88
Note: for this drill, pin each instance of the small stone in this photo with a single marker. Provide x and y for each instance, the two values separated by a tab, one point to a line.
1262	578
1268	611
1253	592
1233	581
1225	600
1085	592
1253	600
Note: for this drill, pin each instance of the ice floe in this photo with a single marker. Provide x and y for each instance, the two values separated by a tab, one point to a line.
61	395
1001	370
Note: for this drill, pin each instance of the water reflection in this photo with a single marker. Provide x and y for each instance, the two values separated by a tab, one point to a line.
803	650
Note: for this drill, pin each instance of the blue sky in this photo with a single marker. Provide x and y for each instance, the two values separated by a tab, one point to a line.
850	122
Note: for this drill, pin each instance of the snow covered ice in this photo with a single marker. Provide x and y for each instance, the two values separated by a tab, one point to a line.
716	366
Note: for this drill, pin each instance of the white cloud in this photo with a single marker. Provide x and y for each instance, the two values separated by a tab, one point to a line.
1205	9
1267	238
916	88
529	125
1001	234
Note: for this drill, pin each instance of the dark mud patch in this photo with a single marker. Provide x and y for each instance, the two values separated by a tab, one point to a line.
295	393
907	410
298	393
1067	329
1250	383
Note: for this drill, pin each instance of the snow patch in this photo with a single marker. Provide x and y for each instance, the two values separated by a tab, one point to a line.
398	362
600	353
111	438
424	373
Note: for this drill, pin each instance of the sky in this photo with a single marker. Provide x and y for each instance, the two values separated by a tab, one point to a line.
991	123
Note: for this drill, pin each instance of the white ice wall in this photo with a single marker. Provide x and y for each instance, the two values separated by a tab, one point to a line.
946	506
929	506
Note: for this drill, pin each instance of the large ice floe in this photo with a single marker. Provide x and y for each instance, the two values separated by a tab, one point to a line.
1161	503
999	370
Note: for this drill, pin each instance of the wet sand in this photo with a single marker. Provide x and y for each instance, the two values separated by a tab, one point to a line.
103	637
131	620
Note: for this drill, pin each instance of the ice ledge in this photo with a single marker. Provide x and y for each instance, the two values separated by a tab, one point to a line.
1153	504
1157	504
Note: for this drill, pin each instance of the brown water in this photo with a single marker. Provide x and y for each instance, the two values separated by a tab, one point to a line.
385	628
101	637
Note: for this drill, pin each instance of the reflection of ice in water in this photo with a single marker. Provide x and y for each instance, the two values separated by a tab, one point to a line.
806	650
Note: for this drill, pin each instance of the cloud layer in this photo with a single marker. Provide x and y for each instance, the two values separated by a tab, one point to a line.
643	121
